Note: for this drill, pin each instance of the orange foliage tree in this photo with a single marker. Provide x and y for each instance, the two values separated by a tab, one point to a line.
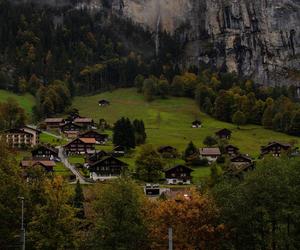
193	219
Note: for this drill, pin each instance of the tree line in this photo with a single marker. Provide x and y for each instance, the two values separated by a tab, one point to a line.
230	98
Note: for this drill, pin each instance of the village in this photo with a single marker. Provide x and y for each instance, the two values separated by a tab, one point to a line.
83	138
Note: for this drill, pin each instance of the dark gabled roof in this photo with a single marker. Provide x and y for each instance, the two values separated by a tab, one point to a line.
196	122
70	123
103	101
177	166
223	131
52	149
231	147
100	153
162	148
246	157
117	148
109	157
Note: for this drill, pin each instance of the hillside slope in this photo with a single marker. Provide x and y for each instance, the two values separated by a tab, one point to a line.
26	101
169	121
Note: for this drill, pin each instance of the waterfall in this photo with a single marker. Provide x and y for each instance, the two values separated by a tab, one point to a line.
157	29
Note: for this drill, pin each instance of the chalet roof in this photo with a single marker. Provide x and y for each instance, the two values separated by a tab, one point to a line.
106	158
210	151
94	133
88	140
162	148
17	131
231	146
52	149
179	166
119	148
196	122
31	128
70	123
246	157
223	131
83	120
278	143
30	163
54	120
103	101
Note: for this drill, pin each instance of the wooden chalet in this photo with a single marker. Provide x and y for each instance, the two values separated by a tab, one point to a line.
211	154
84	122
240	164
103	103
167	151
48	165
231	150
100	138
107	168
179	174
224	133
54	122
45	152
19	138
276	149
119	151
71	134
196	124
80	146
96	157
70	126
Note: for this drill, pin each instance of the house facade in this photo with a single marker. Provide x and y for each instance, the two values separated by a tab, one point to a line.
96	157
100	138
211	154
224	134
231	150
196	124
107	168
45	152
54	122
84	122
80	146
48	165
179	174
276	149
18	138
70	126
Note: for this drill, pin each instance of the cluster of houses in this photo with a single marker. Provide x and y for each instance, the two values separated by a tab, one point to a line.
103	165
239	163
70	127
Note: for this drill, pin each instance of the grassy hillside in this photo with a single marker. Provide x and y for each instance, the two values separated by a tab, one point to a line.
26	101
169	121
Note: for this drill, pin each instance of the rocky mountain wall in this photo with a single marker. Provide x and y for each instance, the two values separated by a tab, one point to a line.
259	39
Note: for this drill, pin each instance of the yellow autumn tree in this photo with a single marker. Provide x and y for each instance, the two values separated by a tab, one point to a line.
193	219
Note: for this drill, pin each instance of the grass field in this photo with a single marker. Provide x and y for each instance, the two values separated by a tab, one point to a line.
168	121
48	139
26	101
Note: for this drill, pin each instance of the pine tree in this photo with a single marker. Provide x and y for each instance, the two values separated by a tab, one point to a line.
78	200
123	133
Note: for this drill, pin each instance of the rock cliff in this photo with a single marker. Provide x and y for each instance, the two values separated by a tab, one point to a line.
258	39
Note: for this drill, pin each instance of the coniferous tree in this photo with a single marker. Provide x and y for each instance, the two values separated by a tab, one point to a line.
79	200
123	133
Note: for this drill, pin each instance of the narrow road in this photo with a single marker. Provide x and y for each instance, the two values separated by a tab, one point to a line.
46	132
72	168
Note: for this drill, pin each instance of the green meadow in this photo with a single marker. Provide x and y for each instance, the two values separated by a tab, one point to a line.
168	121
26	101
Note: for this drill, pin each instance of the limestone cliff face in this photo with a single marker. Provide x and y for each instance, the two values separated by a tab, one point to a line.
256	38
